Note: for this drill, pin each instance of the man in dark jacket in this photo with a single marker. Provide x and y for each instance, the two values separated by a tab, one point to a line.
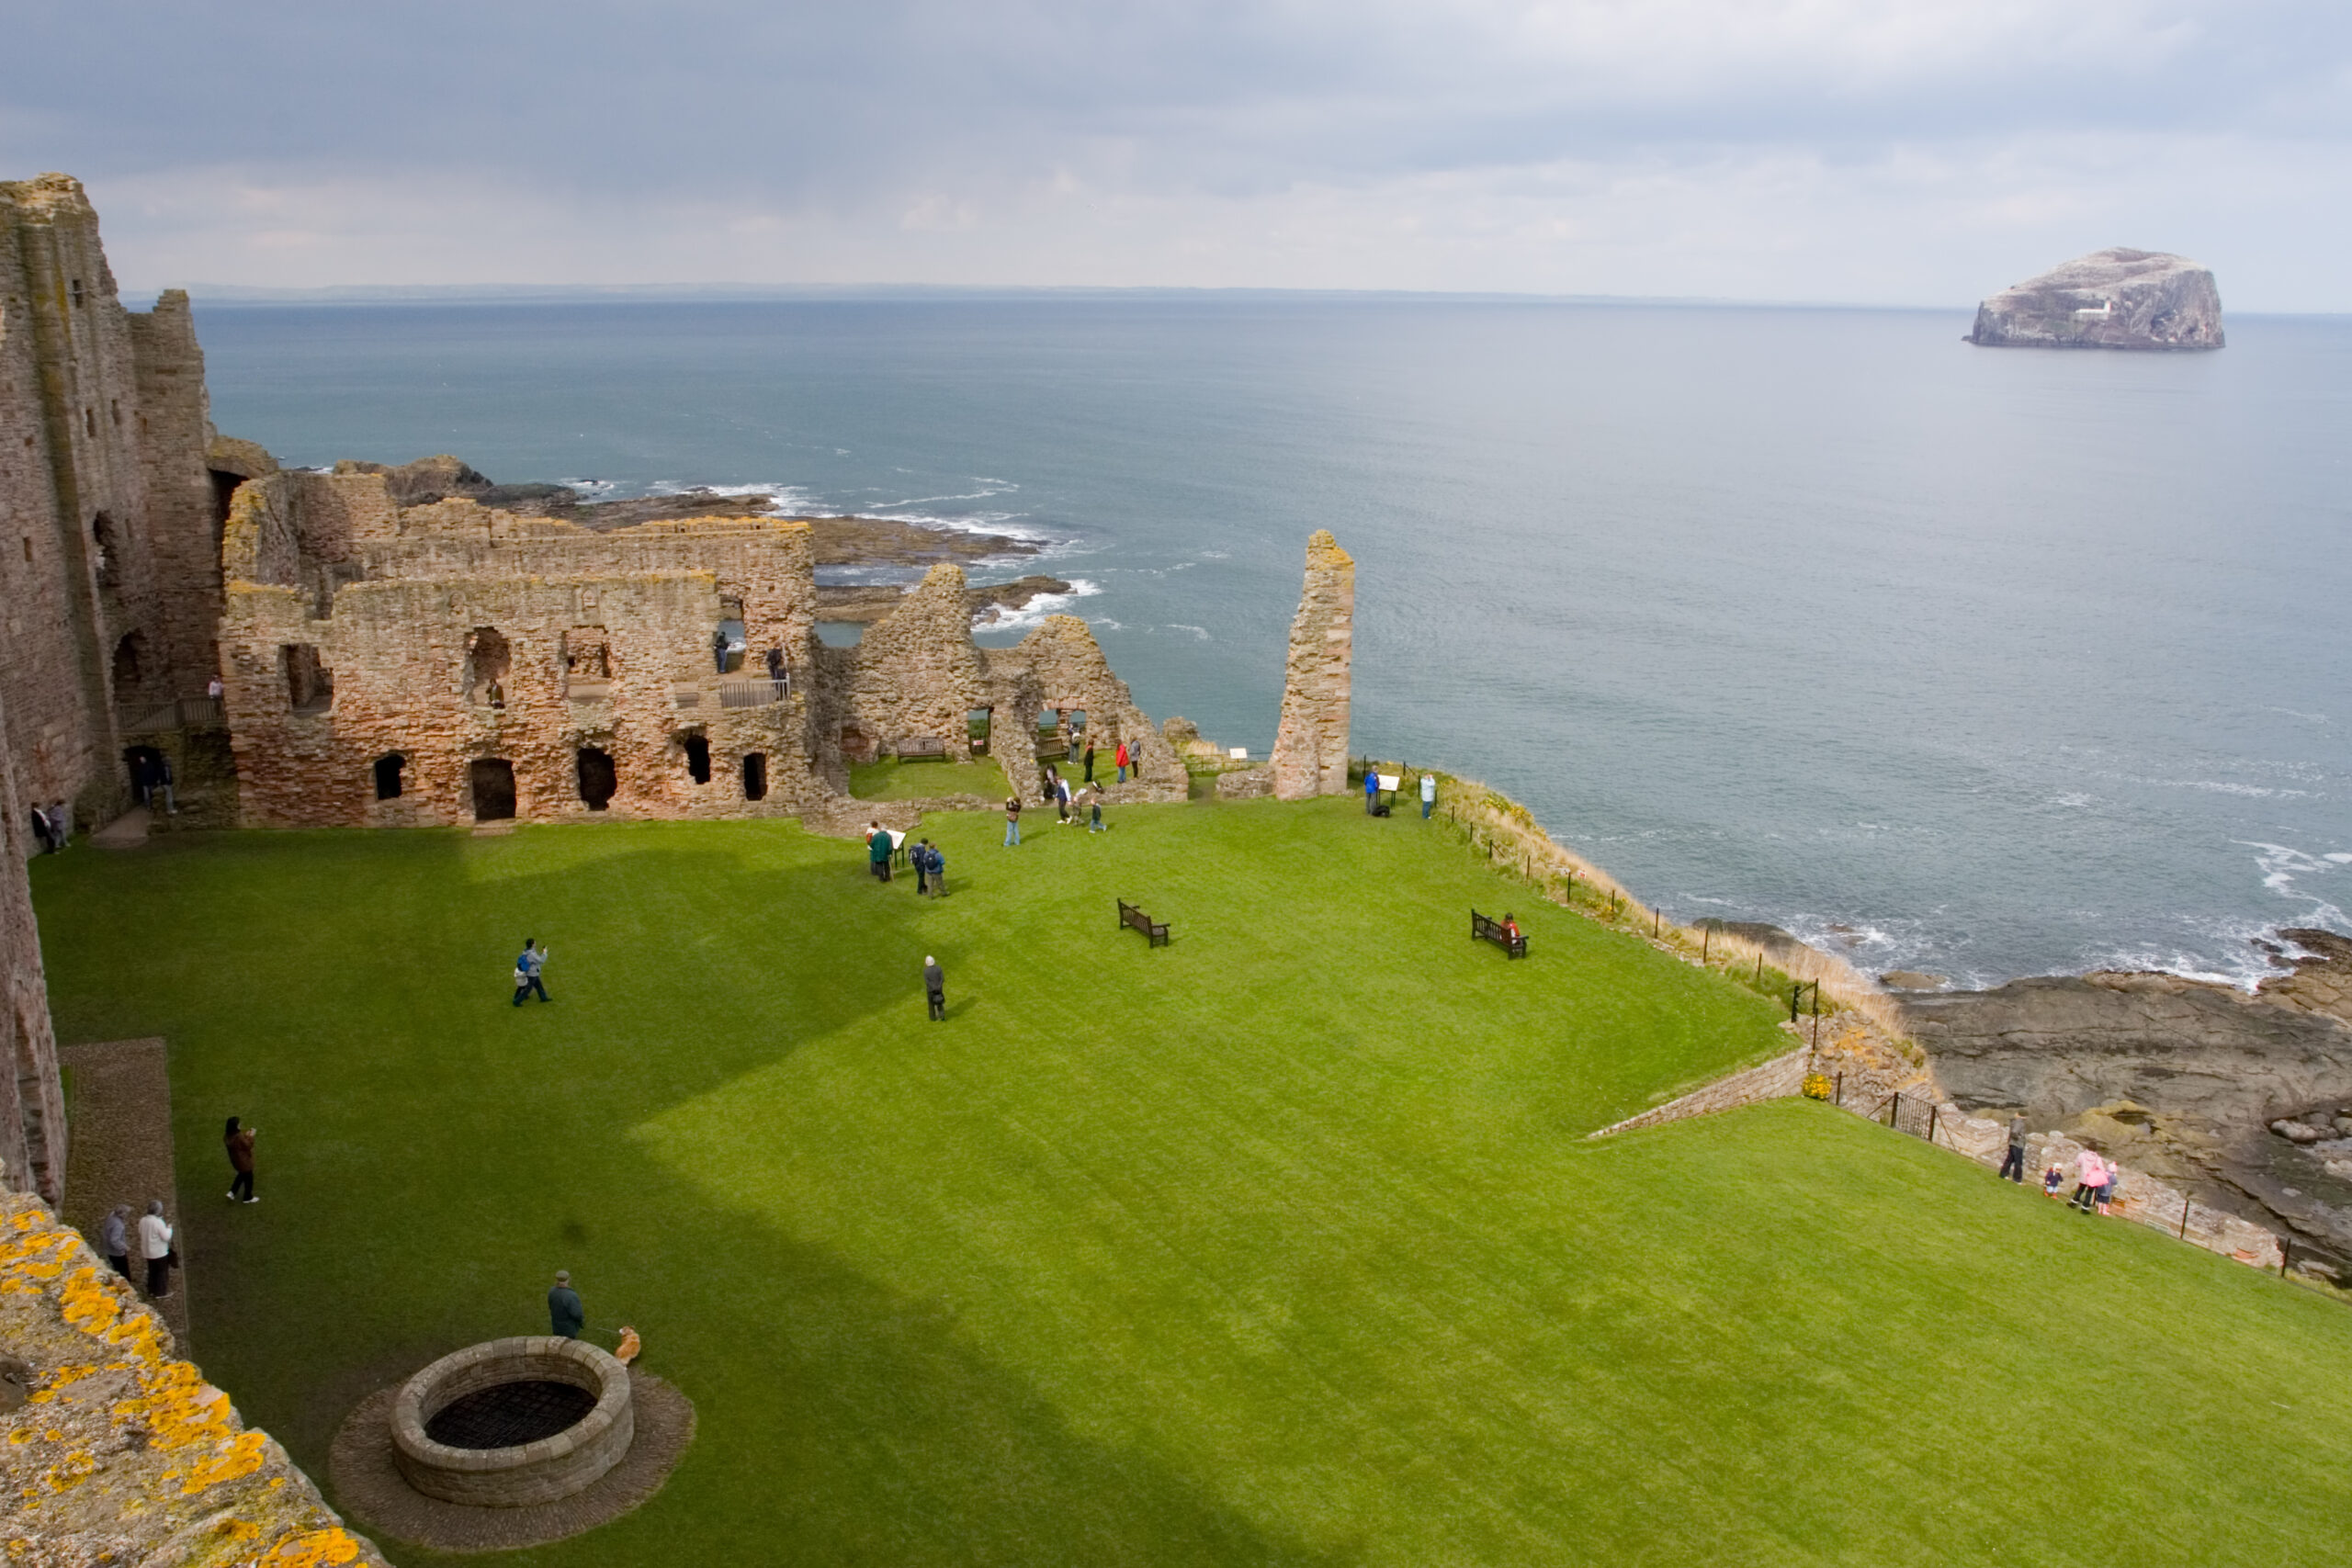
565	1316
2013	1164
935	985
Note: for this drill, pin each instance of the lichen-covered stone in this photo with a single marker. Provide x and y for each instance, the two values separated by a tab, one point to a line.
1311	746
122	1454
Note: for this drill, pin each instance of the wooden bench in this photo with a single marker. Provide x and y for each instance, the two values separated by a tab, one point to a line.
1155	932
1481	928
920	748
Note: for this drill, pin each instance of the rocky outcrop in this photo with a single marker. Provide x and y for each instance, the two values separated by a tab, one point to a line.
2113	299
1311	747
2058	1046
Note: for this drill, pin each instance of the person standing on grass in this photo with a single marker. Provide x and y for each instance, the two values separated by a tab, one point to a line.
566	1316
935	987
1123	761
2052	1179
878	848
1061	798
155	1247
938	871
527	971
2090	1175
920	858
1089	759
239	1141
1370	789
1011	821
1094	813
2013	1166
1428	794
114	1236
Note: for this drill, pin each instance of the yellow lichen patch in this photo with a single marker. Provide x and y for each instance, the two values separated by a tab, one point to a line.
317	1549
179	1406
239	1458
70	1472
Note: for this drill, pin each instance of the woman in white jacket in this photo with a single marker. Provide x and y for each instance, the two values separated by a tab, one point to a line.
155	1246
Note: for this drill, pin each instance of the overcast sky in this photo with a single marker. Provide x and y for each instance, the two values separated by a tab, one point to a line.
1896	152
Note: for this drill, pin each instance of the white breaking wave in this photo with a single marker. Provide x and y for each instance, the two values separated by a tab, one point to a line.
1044	604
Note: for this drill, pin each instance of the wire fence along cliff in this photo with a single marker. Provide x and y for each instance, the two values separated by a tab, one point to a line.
1508	835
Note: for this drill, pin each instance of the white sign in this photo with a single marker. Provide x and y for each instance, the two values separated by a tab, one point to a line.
1238	753
1389	782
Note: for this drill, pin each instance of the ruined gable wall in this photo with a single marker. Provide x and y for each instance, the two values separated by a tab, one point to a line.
32	1106
915	672
1060	666
180	529
1311	747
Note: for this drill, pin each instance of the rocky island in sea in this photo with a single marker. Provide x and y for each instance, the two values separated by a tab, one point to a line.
2112	299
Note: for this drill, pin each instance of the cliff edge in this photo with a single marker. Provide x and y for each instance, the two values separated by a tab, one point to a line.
2114	298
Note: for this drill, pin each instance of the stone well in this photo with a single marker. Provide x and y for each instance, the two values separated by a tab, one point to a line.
505	1383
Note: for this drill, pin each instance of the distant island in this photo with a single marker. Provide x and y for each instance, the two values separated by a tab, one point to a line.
2113	299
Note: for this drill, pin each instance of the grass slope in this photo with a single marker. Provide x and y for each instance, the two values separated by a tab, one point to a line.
1279	1244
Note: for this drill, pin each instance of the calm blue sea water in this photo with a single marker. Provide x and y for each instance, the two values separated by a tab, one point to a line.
1987	662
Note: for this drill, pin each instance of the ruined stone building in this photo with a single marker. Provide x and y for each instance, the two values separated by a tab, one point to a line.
1311	747
445	663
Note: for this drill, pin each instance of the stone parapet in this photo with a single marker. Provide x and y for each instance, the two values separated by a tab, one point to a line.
122	1453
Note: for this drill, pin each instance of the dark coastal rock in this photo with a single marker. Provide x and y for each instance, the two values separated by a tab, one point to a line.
2058	1046
2115	299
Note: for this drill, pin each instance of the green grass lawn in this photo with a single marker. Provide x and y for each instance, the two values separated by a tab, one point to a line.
1280	1244
890	779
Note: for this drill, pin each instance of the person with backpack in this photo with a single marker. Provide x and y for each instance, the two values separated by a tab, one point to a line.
938	870
526	972
1011	821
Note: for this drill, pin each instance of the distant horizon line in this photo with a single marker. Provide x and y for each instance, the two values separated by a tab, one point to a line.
235	295
684	293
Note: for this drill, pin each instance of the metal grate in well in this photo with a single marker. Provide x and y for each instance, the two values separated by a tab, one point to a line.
508	1415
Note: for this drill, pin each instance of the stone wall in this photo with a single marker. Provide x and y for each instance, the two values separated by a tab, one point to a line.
107	507
33	1105
357	634
1311	746
122	1453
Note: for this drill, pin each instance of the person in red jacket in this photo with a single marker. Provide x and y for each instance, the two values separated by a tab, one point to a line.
1123	761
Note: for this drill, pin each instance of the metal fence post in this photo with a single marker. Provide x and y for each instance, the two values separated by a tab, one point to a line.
1932	1112
1841	1088
2183	1219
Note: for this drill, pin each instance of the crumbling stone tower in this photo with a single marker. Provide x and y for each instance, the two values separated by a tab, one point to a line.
109	510
32	1101
1311	747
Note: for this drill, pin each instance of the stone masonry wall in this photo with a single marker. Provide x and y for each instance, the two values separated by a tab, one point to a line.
122	1453
32	1104
104	502
455	634
1311	747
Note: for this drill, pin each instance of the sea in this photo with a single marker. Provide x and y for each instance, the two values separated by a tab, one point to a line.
1973	661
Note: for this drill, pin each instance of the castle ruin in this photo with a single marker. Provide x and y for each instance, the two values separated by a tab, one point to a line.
1311	747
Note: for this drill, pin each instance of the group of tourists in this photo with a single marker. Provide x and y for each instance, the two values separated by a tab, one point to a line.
2096	1178
52	826
1057	790
928	861
151	1234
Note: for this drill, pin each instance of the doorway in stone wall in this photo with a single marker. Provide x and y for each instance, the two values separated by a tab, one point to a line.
697	751
146	767
598	778
387	775
492	781
755	776
976	725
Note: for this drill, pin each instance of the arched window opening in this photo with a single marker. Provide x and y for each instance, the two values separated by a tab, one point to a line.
492	780
128	660
755	776
487	658
598	779
697	749
388	776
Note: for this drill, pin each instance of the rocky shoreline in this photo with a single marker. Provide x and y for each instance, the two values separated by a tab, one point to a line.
2242	1099
850	543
